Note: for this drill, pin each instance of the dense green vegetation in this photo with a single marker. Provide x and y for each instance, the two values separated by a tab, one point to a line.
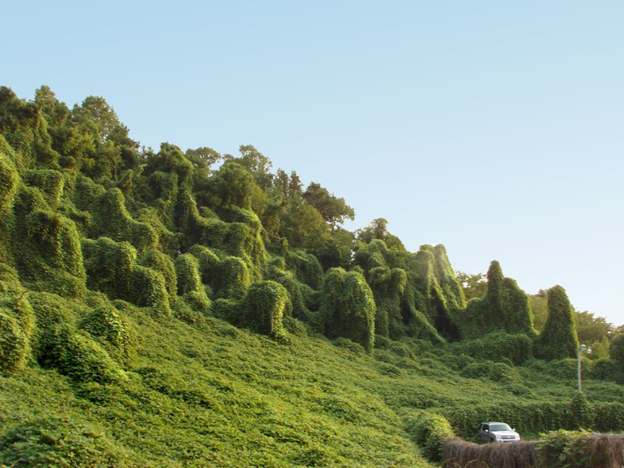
190	308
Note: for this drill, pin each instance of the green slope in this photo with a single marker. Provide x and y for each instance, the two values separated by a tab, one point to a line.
155	311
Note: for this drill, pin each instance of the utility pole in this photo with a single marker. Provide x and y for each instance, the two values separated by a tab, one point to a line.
581	348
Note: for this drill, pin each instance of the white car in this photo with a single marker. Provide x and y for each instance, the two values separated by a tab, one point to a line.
497	432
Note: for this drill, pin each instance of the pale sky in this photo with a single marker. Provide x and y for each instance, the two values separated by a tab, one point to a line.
494	128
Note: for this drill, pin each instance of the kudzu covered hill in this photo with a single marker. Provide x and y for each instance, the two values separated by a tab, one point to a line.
99	237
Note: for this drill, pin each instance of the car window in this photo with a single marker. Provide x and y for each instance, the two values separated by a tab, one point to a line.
500	427
486	427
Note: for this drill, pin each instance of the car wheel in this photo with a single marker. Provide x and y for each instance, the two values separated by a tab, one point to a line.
492	440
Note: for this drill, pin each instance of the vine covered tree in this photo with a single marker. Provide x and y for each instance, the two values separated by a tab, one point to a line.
558	339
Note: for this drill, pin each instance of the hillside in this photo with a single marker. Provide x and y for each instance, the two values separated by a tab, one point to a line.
196	309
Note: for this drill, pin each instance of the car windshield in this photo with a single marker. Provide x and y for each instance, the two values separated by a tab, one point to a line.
499	427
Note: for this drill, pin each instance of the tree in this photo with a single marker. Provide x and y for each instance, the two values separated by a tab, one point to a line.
111	150
301	224
203	158
55	112
505	307
589	328
334	210
558	338
256	163
348	307
617	349
378	229
233	185
98	117
473	285
539	307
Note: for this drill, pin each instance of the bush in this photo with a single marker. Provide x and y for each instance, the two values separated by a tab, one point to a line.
348	308
388	285
8	182
60	443
457	452
504	309
113	270
295	327
163	264
111	219
307	268
563	449
109	328
346	343
263	308
14	345
494	371
77	356
497	347
429	431
616	349
46	246
233	279
608	369
558	339
190	286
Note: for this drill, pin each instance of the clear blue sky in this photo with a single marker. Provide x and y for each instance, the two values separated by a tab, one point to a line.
495	128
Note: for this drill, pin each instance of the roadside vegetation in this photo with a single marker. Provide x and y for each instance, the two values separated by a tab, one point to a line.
170	308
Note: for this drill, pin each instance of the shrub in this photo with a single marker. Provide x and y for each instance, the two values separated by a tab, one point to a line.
9	180
616	349
388	286
457	452
263	308
505	308
608	369
14	345
307	268
562	449
208	263
108	326
60	443
46	246
558	339
429	431
163	264
608	417
111	219
295	327
148	289
497	347
112	269
190	286
582	411
297	303
348	307
495	371
78	357
232	279
49	182
346	343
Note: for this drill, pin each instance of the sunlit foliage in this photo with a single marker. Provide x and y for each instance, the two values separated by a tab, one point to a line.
220	315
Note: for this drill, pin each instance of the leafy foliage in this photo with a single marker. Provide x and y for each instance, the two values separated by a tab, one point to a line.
429	431
348	307
505	307
123	271
617	349
558	338
60	442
